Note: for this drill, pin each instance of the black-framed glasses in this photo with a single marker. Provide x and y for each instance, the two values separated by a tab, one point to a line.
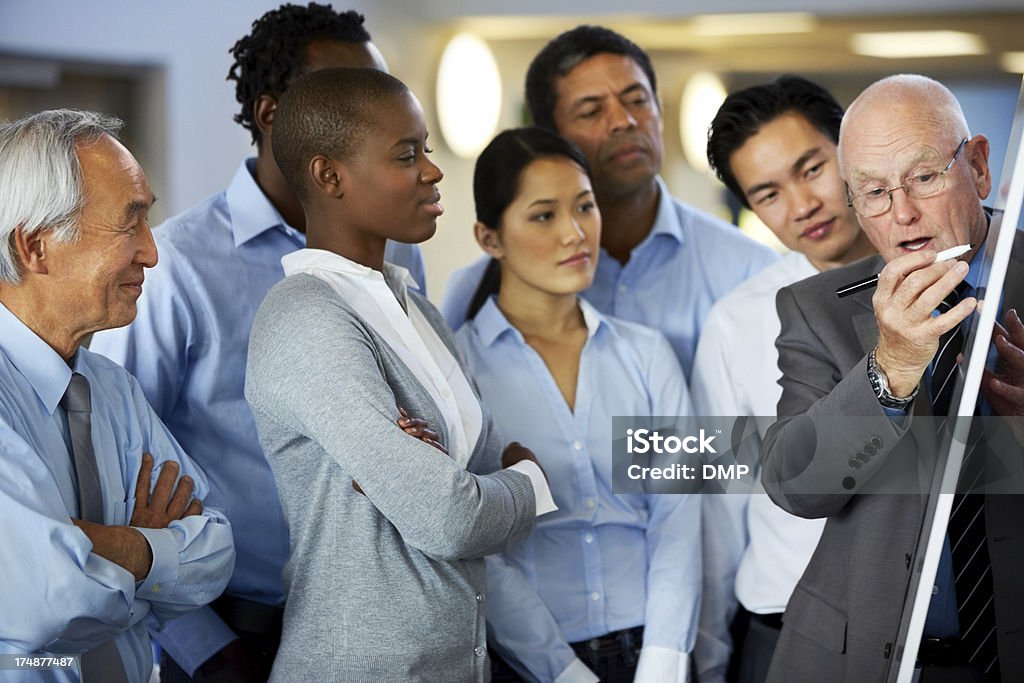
918	186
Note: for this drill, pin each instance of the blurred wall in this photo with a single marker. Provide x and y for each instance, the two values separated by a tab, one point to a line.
177	55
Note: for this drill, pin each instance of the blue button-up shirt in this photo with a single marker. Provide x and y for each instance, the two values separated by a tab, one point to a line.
56	595
942	620
188	347
603	561
687	262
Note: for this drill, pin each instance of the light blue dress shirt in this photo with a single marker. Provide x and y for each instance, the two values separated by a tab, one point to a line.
603	561
56	596
942	620
188	346
687	262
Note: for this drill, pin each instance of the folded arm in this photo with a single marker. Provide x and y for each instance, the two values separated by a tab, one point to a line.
341	400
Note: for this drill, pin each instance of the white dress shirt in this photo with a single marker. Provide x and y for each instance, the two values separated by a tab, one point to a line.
754	551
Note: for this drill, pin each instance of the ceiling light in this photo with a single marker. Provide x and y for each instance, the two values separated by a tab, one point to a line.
702	96
753	24
1012	62
468	95
906	44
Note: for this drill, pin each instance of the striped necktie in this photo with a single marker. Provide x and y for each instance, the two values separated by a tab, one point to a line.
944	365
971	565
973	579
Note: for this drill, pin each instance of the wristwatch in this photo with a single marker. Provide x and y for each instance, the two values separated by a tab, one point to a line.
880	385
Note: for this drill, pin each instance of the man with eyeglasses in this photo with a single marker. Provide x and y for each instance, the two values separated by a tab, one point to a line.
861	377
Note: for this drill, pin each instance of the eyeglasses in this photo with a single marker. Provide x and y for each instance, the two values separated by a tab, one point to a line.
918	186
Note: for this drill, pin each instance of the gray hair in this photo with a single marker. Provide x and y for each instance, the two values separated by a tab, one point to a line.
41	184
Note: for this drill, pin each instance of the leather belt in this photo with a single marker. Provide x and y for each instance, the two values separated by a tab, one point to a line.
626	639
771	620
246	615
941	652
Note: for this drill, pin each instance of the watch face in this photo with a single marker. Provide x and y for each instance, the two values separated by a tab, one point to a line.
878	384
875	376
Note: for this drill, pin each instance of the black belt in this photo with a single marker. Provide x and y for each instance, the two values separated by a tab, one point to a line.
627	638
249	616
772	620
941	652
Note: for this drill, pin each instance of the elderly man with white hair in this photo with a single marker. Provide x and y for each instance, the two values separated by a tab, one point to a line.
103	522
863	375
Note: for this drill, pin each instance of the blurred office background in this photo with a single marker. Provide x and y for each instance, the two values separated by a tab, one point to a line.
162	67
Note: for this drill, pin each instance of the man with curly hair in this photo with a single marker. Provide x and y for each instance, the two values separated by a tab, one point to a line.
188	344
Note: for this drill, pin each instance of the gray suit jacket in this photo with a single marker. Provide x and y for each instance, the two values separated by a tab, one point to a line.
390	585
834	453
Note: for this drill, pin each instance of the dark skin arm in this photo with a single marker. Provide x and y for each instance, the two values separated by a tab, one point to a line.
419	429
1004	388
515	452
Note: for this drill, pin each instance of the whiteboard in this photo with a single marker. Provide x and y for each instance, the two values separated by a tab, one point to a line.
1006	222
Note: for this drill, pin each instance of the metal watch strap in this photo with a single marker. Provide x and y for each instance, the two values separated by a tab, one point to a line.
880	385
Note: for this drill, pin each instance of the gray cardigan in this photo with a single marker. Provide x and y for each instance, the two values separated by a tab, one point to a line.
390	585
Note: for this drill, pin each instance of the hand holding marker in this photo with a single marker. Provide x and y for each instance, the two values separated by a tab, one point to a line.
869	282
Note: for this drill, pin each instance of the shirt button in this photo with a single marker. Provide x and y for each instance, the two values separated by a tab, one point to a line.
156	588
590	503
935	590
623	288
595	596
576	445
446	393
589	538
479	650
479	597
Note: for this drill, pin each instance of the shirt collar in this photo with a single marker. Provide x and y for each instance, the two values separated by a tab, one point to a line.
667	220
974	269
251	212
491	323
43	367
306	260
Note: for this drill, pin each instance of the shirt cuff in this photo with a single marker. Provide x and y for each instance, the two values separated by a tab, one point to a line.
163	574
662	665
897	415
193	638
577	671
541	491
